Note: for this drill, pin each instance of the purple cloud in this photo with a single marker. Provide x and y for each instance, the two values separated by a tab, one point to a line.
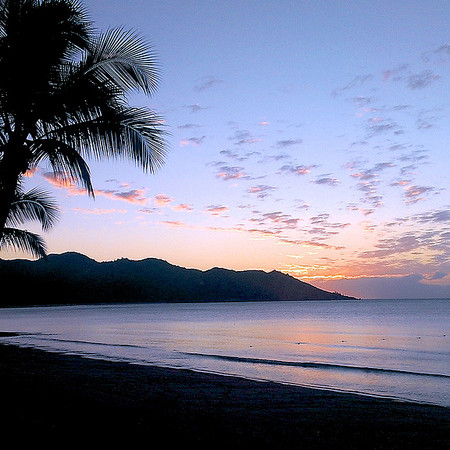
325	179
288	143
261	191
421	80
297	170
206	82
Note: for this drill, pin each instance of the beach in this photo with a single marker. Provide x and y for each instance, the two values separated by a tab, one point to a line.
54	398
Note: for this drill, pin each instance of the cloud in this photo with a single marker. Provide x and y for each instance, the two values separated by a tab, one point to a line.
395	74
309	243
438	217
300	204
325	179
371	174
189	126
175	224
363	211
270	158
206	82
59	180
261	191
243	137
297	170
278	219
320	218
413	81
162	200
322	228
426	119
358	81
363	102
135	196
100	211
421	80
368	182
407	249
406	286
436	276
217	210
441	54
413	194
192	140
183	207
148	210
132	196
397	147
392	246
227	173
415	156
288	143
196	108
376	126
236	156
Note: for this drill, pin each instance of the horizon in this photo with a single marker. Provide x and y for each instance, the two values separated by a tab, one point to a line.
307	138
218	267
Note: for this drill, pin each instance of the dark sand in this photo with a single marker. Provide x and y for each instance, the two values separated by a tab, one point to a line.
49	398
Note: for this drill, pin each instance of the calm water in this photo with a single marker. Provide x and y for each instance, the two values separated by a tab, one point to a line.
389	348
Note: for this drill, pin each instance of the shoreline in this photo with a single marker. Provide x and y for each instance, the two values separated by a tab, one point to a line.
50	396
146	302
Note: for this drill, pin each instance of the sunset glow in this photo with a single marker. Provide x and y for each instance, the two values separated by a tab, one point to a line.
306	137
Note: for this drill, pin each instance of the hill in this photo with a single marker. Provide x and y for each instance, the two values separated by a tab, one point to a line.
72	278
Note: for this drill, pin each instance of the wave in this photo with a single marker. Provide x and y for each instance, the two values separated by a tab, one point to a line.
314	365
74	341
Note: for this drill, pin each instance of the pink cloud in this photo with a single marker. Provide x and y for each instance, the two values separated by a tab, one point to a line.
174	223
261	191
183	207
413	194
135	196
163	200
100	211
216	210
230	173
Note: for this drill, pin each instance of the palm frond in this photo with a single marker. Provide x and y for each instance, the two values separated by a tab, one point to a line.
66	162
121	58
126	132
23	240
34	205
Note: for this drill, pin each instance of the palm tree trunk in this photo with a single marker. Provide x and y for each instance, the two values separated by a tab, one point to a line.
12	166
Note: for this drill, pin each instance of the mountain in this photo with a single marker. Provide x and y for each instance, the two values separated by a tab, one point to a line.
72	278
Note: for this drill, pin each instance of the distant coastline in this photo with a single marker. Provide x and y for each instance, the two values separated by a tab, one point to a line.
73	278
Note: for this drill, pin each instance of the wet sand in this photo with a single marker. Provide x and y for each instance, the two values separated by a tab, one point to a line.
50	398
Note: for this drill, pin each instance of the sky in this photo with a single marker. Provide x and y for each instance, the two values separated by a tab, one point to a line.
309	137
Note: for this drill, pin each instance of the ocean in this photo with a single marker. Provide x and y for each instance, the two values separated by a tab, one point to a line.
385	348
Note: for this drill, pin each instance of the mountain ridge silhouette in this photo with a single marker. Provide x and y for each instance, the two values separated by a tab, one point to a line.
74	278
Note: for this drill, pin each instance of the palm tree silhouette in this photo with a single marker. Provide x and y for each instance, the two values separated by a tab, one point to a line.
63	99
34	205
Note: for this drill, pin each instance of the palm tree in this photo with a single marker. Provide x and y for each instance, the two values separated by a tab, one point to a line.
63	96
